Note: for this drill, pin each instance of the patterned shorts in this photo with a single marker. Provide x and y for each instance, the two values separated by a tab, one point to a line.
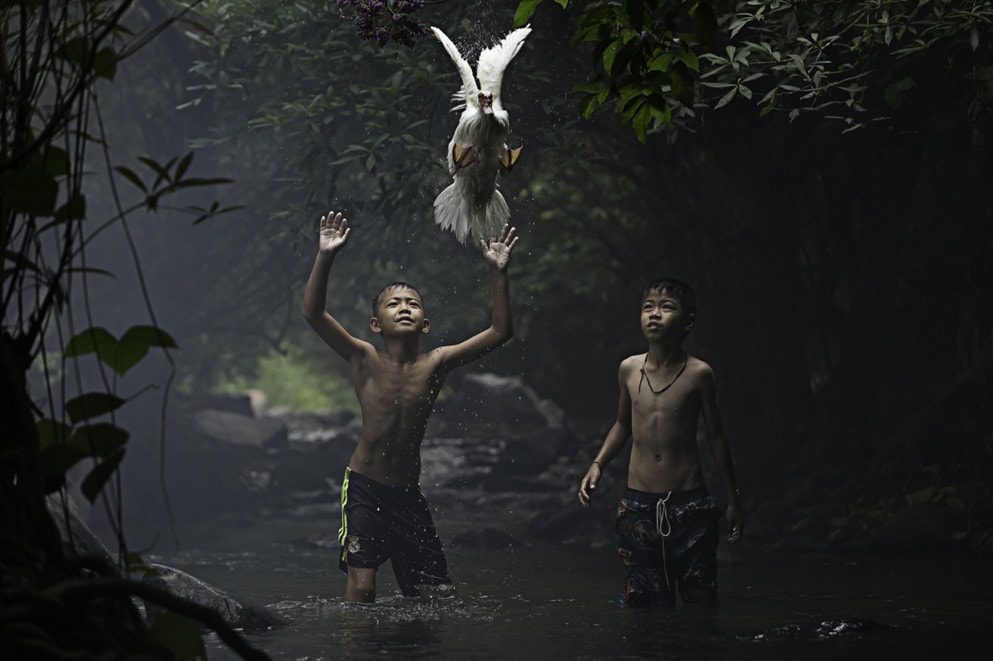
667	542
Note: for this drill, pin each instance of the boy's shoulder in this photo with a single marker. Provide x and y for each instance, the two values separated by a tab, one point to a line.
699	370
633	362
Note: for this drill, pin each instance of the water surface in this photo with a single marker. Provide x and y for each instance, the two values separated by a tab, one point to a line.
561	603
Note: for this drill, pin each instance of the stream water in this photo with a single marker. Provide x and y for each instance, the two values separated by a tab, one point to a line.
561	603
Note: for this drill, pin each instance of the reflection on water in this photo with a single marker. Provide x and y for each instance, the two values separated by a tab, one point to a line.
545	603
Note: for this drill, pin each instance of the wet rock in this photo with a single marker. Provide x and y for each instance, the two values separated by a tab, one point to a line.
240	403
239	429
309	426
238	614
79	541
922	528
490	405
796	542
77	538
311	466
568	523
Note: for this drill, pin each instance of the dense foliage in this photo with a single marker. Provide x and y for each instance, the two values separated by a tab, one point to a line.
665	62
54	604
807	238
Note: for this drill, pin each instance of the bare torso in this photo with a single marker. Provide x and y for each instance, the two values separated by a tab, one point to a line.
396	399
664	454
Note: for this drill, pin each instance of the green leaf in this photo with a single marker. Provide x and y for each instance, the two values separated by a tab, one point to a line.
587	105
201	181
91	405
105	63
30	190
682	84
56	161
75	50
100	439
641	120
20	262
95	271
130	175
689	58
610	52
94	339
95	480
184	165
120	355
52	432
134	345
73	209
161	170
57	459
149	336
726	99
705	25
896	92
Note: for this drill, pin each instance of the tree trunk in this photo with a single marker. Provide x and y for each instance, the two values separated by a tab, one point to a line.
26	529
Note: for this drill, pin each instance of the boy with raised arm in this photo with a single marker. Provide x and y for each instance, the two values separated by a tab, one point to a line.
384	516
667	521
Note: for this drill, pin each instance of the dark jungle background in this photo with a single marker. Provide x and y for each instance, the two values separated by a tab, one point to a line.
820	172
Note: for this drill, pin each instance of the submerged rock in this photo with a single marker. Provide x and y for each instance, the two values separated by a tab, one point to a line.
238	614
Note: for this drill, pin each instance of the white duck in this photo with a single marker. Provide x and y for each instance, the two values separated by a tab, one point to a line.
477	151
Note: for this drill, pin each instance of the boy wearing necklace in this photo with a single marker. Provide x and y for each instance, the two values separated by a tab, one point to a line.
667	521
384	515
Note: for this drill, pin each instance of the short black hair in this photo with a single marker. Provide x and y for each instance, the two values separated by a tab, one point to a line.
678	288
399	284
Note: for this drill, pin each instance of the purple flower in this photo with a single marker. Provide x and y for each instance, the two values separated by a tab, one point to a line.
383	20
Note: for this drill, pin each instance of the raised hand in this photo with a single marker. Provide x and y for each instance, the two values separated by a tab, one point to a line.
334	232
497	252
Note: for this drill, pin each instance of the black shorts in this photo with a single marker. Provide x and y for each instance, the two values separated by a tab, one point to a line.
380	522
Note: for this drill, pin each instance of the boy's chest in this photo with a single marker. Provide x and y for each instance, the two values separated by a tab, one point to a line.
676	404
404	386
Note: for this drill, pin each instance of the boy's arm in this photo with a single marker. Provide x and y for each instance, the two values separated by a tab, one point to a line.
615	440
334	233
496	254
720	450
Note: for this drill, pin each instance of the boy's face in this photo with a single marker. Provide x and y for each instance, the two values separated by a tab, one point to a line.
400	310
662	316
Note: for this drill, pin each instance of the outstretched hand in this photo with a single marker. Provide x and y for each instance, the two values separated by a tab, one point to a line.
334	232
497	252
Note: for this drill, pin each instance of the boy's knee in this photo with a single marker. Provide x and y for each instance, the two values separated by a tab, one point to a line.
360	586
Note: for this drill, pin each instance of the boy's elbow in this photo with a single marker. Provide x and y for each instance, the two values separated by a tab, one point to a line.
310	316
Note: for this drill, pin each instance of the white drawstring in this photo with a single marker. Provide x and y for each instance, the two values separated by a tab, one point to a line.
662	519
